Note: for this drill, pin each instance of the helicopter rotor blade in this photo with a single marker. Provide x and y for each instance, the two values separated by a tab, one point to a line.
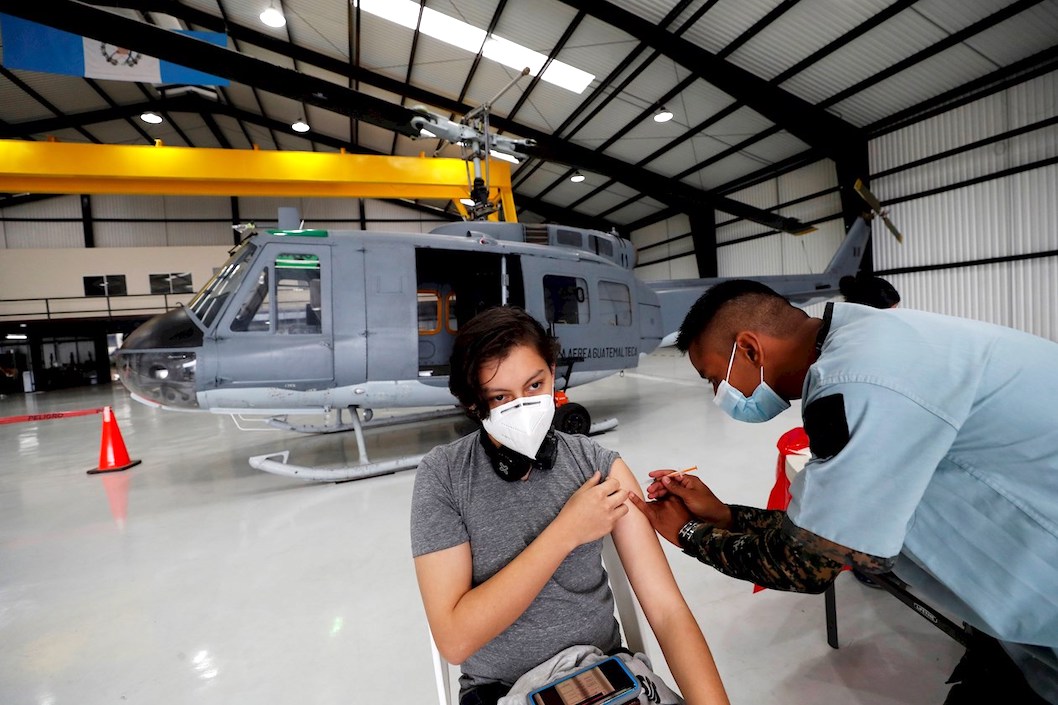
892	228
876	207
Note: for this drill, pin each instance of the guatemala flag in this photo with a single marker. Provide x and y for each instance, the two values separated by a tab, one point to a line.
36	47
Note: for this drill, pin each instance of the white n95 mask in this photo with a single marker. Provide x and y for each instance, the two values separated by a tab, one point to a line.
763	405
521	424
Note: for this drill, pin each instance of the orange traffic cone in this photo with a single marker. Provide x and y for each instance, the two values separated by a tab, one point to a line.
112	453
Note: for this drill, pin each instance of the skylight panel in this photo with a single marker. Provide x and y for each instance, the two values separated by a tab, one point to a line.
472	39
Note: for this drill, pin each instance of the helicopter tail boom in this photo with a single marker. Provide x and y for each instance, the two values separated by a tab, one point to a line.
677	296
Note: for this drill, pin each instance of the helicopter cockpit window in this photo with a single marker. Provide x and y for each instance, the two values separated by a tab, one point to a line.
615	302
255	312
210	300
298	302
565	299
429	311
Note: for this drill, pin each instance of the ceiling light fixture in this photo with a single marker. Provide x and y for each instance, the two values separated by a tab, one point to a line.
577	177
410	14
300	125
273	16
505	157
151	118
663	115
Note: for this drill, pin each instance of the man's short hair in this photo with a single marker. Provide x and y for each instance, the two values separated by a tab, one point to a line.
490	336
868	290
738	303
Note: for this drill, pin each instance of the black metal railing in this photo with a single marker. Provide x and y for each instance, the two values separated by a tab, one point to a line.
61	307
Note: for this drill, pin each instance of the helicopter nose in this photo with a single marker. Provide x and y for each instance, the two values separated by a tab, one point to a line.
158	360
167	378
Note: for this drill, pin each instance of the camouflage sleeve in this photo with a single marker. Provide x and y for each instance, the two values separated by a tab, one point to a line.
817	545
766	555
744	519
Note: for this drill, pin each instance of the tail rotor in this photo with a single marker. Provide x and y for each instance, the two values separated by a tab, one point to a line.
876	208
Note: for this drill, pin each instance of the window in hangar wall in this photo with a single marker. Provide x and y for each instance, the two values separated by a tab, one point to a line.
105	285
172	283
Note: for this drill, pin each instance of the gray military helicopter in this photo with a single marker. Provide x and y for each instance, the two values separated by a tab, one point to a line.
314	321
310	321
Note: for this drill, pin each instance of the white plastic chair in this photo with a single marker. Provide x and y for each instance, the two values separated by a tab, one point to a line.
446	677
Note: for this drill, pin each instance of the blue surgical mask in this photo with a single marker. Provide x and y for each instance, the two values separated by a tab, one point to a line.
763	405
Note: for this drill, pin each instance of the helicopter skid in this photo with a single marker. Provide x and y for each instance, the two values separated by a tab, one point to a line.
284	425
365	468
368	422
267	463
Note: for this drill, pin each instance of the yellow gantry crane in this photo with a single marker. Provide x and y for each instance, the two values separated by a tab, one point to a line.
57	167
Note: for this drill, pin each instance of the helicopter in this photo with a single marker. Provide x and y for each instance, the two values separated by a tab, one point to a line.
311	321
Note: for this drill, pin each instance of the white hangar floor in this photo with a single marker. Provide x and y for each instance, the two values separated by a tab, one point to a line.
195	578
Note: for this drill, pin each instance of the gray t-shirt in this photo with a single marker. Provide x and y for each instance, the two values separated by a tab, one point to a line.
459	498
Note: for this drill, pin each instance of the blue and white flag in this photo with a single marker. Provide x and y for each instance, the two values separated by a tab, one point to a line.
36	47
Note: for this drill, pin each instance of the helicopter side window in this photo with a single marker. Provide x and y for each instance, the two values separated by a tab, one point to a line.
615	303
603	247
565	299
451	322
255	313
298	301
429	302
570	238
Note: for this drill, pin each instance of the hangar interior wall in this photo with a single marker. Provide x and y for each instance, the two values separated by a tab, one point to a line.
744	248
981	224
665	250
974	190
43	253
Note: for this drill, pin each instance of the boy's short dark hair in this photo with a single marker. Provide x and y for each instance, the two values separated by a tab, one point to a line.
491	335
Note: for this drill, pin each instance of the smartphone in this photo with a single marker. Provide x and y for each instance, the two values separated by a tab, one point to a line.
608	682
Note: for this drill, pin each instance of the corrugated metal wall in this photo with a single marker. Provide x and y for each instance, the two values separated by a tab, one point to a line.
952	222
782	253
778	253
659	235
1010	216
55	222
173	221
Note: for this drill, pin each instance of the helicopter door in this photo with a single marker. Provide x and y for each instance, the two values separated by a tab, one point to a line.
452	287
389	302
616	316
278	332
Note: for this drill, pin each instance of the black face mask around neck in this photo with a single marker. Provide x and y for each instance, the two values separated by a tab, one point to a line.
510	465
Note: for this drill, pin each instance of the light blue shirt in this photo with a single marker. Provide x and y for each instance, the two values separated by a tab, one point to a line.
951	463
